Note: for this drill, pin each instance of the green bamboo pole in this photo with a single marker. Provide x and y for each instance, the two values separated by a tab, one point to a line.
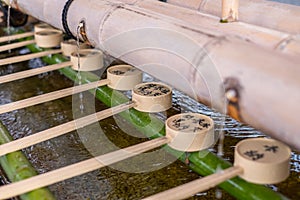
204	162
17	167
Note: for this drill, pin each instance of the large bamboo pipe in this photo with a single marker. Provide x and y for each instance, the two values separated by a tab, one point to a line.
280	41
266	82
274	15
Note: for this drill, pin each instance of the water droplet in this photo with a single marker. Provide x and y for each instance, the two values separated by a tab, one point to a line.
81	106
218	193
8	23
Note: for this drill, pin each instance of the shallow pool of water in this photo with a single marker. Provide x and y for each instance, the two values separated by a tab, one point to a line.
108	183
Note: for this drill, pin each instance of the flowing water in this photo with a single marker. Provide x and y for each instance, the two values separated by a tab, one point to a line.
8	23
81	105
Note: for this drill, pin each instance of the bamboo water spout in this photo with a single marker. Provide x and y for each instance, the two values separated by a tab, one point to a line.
208	24
279	16
259	75
283	41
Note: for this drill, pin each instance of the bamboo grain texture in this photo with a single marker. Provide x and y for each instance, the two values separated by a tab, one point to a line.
77	169
16	37
21	58
32	72
50	96
16	45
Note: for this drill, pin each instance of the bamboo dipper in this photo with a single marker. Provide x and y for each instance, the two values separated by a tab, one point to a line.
257	160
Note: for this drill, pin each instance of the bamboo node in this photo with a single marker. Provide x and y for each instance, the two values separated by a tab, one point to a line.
123	77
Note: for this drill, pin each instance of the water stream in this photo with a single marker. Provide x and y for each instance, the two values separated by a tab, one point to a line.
81	105
8	23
